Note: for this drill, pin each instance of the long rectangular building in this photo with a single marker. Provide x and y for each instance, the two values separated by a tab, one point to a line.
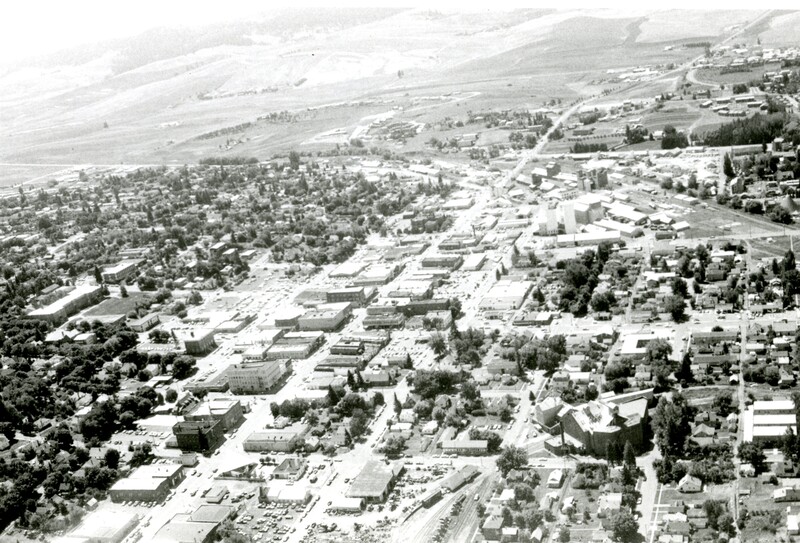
60	310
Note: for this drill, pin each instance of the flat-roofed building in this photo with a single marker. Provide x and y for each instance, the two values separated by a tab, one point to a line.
226	410
328	319
272	440
120	271
105	526
506	295
196	341
355	295
148	483
256	377
296	345
474	262
465	447
199	435
451	262
60	310
143	324
767	421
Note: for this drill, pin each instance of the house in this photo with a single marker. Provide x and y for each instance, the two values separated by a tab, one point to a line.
555	479
690	484
786	494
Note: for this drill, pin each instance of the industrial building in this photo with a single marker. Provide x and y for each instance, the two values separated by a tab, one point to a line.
766	421
375	481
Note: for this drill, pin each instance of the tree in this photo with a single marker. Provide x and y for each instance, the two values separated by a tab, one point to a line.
752	453
511	458
629	455
679	287
294	160
658	350
359	423
723	403
111	458
98	277
183	367
727	167
671	424
397	405
563	534
624	526
439	345
123	292
676	307
171	395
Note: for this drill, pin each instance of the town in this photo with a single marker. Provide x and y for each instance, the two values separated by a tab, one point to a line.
571	323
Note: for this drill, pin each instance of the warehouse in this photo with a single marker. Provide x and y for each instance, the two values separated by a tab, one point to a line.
105	526
375	481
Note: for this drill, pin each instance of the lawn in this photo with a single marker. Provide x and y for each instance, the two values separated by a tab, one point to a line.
118	306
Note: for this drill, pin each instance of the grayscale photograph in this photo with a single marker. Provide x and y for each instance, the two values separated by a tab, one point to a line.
420	273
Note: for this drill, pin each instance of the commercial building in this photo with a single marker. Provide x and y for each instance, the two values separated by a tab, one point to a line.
60	310
272	440
256	377
474	262
296	345
451	262
148	483
465	447
506	294
107	526
199	435
327	319
375	481
121	271
196	341
355	295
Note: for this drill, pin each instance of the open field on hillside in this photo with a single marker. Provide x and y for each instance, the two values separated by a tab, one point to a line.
716	77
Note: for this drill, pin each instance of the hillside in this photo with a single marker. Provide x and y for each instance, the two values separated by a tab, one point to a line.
160	91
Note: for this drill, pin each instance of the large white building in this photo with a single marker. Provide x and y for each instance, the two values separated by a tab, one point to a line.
506	295
766	421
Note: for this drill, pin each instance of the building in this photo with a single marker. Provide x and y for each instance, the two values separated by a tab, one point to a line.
595	424
199	435
120	271
225	410
456	480
451	262
148	483
465	447
326	319
355	295
256	377
295	345
506	294
588	238
107	526
375	481
767	421
196	341
546	411
145	323
60	310
690	484
272	440
290	469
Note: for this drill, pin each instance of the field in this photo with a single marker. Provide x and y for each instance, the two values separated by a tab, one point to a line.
117	306
713	76
421	66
